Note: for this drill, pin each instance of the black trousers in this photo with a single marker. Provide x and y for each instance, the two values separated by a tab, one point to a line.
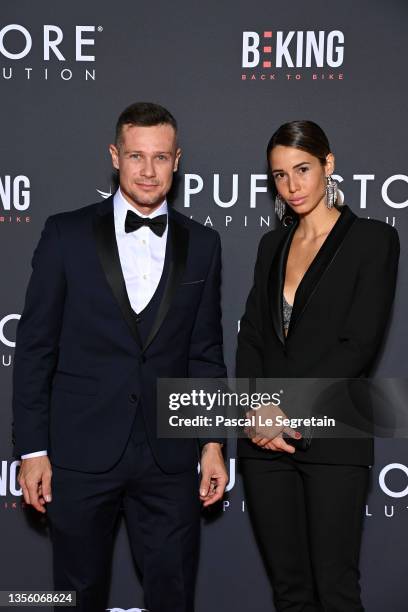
307	519
162	515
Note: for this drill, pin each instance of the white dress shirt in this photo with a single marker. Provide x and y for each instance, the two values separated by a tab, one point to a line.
141	256
141	253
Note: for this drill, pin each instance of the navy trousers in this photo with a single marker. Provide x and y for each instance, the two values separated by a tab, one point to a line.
162	514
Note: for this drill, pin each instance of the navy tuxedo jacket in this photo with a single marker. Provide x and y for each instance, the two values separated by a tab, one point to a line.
340	313
81	369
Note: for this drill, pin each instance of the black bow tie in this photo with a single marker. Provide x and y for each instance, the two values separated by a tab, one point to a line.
134	222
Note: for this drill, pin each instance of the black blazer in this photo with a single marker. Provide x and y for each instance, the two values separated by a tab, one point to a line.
340	313
80	365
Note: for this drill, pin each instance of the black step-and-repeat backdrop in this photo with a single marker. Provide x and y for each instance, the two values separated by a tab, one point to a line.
231	73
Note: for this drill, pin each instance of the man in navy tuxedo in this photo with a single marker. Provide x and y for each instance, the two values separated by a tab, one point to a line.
123	292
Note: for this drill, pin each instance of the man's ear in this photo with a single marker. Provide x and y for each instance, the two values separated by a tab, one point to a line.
176	160
114	152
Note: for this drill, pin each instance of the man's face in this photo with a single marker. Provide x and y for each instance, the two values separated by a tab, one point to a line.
146	158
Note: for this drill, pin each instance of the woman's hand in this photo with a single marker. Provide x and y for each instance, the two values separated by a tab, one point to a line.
267	433
277	444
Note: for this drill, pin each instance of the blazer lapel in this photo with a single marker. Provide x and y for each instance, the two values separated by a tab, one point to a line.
313	275
277	280
320	264
179	237
104	232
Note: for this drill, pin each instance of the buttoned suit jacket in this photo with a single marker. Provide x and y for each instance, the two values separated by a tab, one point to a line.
81	369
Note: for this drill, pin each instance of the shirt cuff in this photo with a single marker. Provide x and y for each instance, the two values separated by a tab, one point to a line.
36	454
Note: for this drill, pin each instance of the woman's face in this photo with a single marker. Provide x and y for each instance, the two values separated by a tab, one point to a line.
300	178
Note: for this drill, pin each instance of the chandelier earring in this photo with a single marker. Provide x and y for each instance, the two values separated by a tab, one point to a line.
331	192
280	206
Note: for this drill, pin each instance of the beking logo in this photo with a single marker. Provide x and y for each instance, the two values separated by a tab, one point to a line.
276	50
15	192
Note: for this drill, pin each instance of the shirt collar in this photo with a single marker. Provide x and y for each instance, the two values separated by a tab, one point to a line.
121	206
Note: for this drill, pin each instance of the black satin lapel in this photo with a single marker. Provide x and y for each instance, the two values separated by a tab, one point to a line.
277	279
320	264
179	237
104	230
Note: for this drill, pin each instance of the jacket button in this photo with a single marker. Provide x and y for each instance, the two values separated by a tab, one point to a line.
138	319
142	359
133	398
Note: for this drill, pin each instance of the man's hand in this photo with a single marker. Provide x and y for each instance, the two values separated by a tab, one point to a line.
214	475
35	479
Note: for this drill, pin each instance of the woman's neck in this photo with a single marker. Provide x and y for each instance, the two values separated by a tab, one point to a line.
317	222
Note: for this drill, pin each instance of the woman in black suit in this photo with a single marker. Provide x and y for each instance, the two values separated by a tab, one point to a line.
321	300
